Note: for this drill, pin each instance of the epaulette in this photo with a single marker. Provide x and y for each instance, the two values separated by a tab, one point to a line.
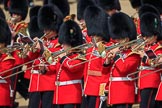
131	53
57	45
159	47
9	57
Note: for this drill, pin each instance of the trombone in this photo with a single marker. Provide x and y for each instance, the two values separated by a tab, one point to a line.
136	72
108	48
8	76
19	66
55	54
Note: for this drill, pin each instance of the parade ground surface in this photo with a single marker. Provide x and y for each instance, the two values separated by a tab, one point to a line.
125	8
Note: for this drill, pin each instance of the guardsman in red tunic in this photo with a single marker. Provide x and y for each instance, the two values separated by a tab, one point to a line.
81	6
150	25
110	7
18	11
158	5
68	92
93	75
33	31
42	79
6	62
121	61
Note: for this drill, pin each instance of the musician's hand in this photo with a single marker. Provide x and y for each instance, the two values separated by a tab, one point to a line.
35	39
42	68
37	45
109	57
141	53
160	60
13	34
62	55
115	50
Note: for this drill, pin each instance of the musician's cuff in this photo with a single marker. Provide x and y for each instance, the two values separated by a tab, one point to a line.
106	65
62	59
144	59
116	57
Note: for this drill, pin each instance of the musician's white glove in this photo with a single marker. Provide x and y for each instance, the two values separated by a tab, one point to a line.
103	98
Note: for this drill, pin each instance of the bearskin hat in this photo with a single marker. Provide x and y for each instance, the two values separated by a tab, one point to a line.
148	8
45	2
156	3
5	34
49	18
150	24
70	33
19	7
81	6
33	28
135	3
34	11
110	4
121	26
63	5
96	22
2	15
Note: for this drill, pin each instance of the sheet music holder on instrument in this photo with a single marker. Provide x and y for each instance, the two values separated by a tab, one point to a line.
41	46
25	39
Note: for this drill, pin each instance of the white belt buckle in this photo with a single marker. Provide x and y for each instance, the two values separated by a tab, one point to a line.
57	83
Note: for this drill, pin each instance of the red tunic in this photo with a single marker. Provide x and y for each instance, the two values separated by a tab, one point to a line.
43	82
93	73
106	72
69	93
121	89
5	87
159	92
19	60
28	71
145	82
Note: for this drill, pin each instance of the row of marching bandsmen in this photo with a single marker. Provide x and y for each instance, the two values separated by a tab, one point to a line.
98	65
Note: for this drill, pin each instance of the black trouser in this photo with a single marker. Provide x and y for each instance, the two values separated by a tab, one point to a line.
148	98
122	106
22	86
4	107
67	106
91	101
159	104
44	99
